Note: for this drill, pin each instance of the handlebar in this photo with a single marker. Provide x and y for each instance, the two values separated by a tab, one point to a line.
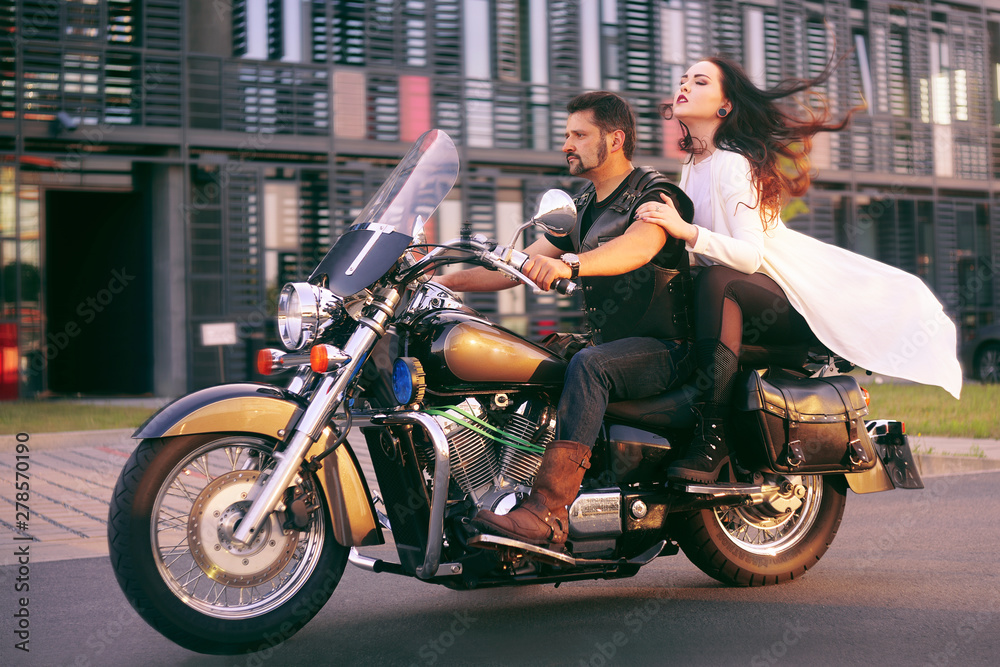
505	259
516	259
565	286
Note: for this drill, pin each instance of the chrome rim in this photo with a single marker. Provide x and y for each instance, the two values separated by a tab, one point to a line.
989	365
767	531
194	515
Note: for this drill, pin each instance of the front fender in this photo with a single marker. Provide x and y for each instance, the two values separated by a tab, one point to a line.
245	407
347	494
269	411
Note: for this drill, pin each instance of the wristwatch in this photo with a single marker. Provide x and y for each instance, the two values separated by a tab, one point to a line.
573	262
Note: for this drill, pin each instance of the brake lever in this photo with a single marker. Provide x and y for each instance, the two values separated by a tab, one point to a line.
509	270
511	258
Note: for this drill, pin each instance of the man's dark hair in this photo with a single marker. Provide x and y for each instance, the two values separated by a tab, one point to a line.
611	112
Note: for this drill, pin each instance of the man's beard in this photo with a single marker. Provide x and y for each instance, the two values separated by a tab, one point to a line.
579	168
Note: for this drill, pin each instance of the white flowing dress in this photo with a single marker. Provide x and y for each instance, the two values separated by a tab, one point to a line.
879	317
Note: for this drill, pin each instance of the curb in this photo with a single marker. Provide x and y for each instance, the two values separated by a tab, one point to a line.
939	466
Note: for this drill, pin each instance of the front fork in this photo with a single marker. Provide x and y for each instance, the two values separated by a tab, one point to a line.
325	399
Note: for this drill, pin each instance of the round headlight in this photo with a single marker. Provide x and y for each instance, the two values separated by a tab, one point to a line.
298	315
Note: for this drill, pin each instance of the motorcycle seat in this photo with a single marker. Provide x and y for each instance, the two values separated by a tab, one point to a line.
672	409
784	356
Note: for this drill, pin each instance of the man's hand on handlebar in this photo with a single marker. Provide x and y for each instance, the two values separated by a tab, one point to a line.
544	271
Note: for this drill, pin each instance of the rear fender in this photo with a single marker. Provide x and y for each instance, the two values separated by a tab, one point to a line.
870	481
895	467
271	412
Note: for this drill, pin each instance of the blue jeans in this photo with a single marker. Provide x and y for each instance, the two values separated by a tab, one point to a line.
624	369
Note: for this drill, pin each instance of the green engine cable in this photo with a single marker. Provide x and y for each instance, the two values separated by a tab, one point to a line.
488	430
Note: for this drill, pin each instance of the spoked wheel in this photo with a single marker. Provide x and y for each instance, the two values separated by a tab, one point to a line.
769	543
170	533
988	363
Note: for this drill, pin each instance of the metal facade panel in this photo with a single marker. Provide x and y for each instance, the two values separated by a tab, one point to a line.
726	31
161	24
564	43
479	190
162	91
264	98
946	237
226	282
446	38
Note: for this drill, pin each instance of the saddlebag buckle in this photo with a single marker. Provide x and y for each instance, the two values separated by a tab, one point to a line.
859	457
796	455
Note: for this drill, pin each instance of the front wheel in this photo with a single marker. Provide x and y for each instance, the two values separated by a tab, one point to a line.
769	543
170	525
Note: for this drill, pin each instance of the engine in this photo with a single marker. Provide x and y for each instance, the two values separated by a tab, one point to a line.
491	464
486	447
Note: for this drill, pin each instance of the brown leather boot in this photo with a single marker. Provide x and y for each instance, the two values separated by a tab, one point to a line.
542	518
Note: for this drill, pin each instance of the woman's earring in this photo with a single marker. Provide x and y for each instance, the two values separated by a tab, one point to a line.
723	113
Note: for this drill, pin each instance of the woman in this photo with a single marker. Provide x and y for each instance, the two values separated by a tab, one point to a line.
758	270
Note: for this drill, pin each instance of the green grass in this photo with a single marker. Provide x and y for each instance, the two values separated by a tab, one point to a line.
55	416
932	411
975	452
926	411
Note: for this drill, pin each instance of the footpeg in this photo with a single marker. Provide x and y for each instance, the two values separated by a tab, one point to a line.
721	489
503	544
755	493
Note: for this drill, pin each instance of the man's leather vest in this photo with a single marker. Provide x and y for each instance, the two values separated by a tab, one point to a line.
653	300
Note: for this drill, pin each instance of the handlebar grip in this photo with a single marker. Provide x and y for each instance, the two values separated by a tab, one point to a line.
565	286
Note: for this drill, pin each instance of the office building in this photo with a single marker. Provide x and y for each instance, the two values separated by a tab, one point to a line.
166	164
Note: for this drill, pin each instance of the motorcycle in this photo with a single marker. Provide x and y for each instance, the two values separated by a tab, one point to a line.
237	513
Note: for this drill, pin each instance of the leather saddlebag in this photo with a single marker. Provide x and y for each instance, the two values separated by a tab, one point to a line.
805	425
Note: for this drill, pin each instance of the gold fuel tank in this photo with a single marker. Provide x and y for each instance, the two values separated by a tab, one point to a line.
458	349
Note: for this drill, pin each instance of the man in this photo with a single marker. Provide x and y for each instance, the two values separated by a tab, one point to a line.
636	292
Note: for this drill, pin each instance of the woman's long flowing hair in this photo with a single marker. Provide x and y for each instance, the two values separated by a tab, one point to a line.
773	139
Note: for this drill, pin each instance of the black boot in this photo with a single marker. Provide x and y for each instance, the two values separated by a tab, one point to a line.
707	452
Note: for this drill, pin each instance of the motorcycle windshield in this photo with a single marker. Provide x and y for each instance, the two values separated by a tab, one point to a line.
387	224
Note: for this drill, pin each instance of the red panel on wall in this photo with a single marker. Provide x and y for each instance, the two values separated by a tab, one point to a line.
672	135
8	361
414	106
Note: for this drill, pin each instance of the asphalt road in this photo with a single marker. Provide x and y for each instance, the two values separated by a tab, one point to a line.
913	578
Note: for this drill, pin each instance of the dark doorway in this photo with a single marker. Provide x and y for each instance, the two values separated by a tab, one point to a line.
99	334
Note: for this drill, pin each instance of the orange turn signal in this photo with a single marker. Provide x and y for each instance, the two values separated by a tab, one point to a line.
324	358
318	359
266	361
270	360
868	397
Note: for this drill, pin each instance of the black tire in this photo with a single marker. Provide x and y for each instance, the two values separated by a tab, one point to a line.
721	542
232	611
988	363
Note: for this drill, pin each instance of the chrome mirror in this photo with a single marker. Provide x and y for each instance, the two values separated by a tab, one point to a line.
556	213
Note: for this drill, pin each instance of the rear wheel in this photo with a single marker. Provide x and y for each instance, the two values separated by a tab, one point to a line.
769	543
171	520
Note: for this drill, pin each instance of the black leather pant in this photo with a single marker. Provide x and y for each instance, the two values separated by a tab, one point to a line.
732	309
